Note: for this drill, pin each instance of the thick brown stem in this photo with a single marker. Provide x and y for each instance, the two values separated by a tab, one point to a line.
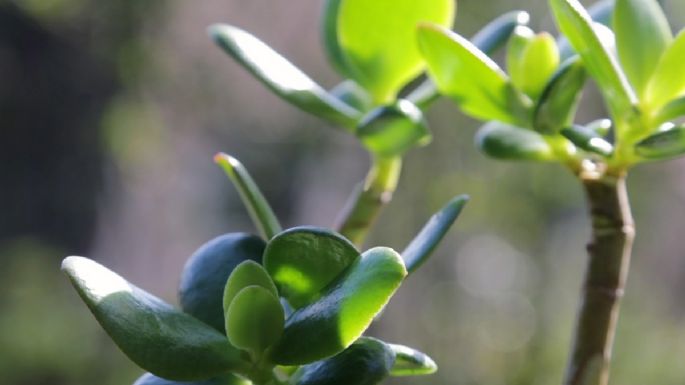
607	270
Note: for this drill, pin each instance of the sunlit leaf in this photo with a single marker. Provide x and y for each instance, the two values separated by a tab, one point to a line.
248	273
411	362
154	335
229	379
393	130
558	103
663	145
588	140
539	60
349	305
503	141
673	110
518	42
668	81
254	319
304	260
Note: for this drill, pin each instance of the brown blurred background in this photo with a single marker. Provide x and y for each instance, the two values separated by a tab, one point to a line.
110	113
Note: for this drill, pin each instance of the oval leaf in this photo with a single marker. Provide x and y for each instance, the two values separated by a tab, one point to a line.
539	61
673	110
558	103
254	320
154	335
281	76
205	273
411	362
393	130
588	140
422	246
248	273
520	39
304	260
668	81
663	145
229	379
329	325
365	362
503	141
642	35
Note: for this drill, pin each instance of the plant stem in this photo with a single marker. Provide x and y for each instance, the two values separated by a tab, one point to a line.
368	198
607	270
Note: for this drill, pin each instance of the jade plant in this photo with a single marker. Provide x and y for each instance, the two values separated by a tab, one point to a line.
629	50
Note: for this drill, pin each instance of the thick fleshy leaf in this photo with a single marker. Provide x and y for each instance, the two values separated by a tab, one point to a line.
588	140
259	209
205	273
663	145
229	379
377	40
503	141
365	362
281	76
671	111
540	59
520	39
601	12
248	273
254	319
304	260
577	25
393	130
422	246
349	305
642	35
558	103
154	335
349	92
600	127
668	81
329	33
411	362
468	76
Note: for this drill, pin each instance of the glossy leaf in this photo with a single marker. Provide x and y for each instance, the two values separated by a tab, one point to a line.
468	76
281	76
376	40
520	39
539	61
576	24
229	379
601	12
154	335
347	308
663	145
601	127
411	362
304	260
257	206
248	273
329	33
642	35
393	130
254	319
423	245
503	141
588	140
205	273
558	103
351	93
366	362
668	81
671	111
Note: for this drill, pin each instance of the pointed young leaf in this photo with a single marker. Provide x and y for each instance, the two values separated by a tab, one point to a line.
558	103
642	35
588	140
468	76
281	76
205	273
347	308
503	141
154	335
539	61
393	130
422	246
248	273
671	111
304	260
261	213
254	320
663	145
576	24
668	81
365	362
411	362
229	379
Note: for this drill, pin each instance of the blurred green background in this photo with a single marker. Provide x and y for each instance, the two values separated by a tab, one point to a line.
110	113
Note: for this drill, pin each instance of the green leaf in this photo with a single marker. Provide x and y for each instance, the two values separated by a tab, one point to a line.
393	130
600	127
422	246
261	213
503	141
540	59
663	145
668	81
558	103
254	319
642	35
248	273
205	273
329	33
671	111
351	93
411	362
519	41
304	260
154	335
366	362
347	308
229	379
588	140
575	22
281	76
468	76
376	40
